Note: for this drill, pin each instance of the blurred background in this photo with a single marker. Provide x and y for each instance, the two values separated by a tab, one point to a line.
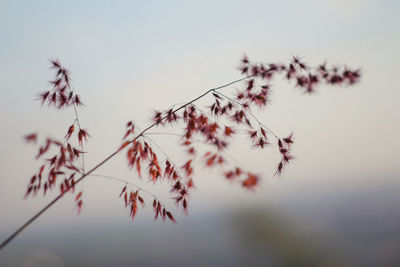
337	204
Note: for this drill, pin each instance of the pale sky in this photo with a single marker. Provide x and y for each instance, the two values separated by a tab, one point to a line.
128	57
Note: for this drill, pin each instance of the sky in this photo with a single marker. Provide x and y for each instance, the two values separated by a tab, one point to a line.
127	58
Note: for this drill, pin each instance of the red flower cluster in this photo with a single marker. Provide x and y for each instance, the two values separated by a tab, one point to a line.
59	167
305	77
211	128
62	167
61	95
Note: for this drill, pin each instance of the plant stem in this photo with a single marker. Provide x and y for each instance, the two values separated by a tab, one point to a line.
84	175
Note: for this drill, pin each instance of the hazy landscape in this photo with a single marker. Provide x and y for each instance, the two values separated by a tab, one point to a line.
350	228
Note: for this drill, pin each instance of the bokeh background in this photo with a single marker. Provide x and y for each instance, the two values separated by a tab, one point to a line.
338	204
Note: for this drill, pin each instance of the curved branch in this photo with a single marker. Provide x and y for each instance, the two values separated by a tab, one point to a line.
83	176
